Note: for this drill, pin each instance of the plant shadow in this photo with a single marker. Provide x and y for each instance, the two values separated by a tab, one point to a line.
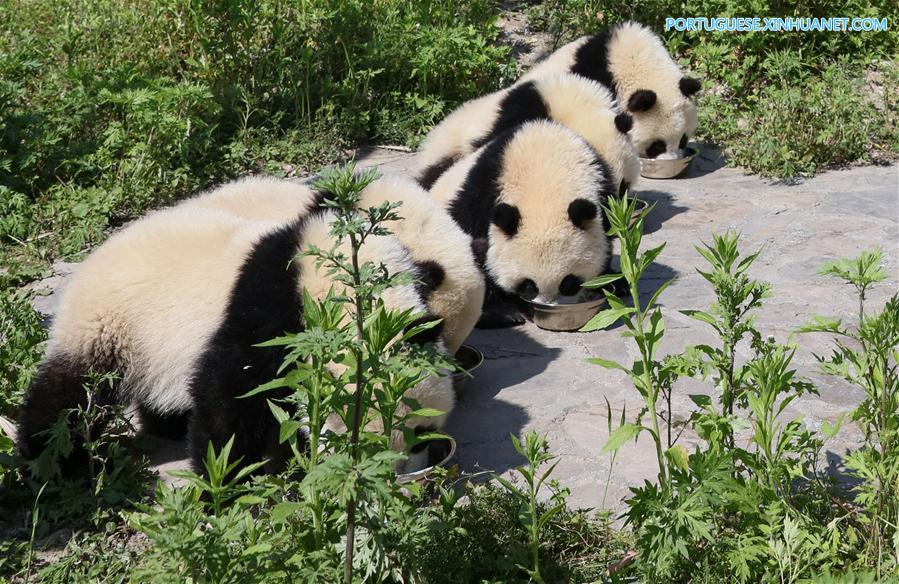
482	421
664	209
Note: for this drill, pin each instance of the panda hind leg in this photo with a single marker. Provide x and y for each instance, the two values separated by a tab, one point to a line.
61	383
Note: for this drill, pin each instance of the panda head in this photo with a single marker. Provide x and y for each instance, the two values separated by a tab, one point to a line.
663	121
546	234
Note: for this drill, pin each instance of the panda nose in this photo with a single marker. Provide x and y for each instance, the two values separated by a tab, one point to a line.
655	149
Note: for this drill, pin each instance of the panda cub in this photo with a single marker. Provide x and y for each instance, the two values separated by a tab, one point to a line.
174	304
450	280
582	104
632	62
531	199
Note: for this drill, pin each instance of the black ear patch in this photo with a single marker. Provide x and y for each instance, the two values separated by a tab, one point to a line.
431	335
624	122
641	100
689	86
507	218
430	275
580	211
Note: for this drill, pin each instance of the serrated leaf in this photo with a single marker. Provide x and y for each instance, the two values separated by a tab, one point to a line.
603	280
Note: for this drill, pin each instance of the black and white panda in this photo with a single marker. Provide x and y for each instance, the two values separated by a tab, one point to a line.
632	62
582	104
452	283
174	304
531	200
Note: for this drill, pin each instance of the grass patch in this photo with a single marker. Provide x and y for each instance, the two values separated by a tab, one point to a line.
111	107
783	105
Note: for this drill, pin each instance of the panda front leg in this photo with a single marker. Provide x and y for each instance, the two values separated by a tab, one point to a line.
500	311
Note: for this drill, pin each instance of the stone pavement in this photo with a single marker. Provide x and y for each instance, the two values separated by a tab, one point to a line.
538	380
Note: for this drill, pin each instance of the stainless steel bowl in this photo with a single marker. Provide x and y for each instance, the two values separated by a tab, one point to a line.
638	208
564	317
655	168
447	449
470	359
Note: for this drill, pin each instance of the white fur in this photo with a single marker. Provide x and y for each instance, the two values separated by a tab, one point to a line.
583	105
258	198
638	60
545	167
429	233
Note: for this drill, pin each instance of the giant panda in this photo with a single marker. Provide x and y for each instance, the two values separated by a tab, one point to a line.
632	62
450	279
531	199
582	104
174	304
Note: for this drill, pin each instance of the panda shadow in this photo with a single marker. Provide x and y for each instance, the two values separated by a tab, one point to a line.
481	424
709	159
664	209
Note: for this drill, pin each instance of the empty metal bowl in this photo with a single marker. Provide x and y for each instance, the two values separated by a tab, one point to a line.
439	454
470	359
638	208
655	168
564	317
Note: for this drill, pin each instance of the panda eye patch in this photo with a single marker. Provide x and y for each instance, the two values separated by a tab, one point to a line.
570	285
683	142
656	148
527	289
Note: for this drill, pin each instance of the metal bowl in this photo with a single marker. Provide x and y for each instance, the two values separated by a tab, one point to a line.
440	451
639	207
470	359
673	168
564	317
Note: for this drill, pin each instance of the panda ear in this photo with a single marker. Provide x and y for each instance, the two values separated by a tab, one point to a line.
429	335
507	218
580	211
430	276
624	122
689	86
641	100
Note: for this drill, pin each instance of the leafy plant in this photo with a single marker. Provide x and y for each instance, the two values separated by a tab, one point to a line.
536	451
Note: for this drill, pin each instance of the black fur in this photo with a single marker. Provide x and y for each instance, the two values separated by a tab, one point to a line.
624	122
623	188
507	218
570	285
264	303
58	385
689	86
472	207
522	104
656	148
430	275
683	142
431	335
527	289
641	100
430	175
170	426
580	211
592	60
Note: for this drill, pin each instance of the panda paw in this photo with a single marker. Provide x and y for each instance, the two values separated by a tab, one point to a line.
500	316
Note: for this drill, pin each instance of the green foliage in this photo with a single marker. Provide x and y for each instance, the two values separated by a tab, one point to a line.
780	104
748	503
110	107
21	341
532	517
